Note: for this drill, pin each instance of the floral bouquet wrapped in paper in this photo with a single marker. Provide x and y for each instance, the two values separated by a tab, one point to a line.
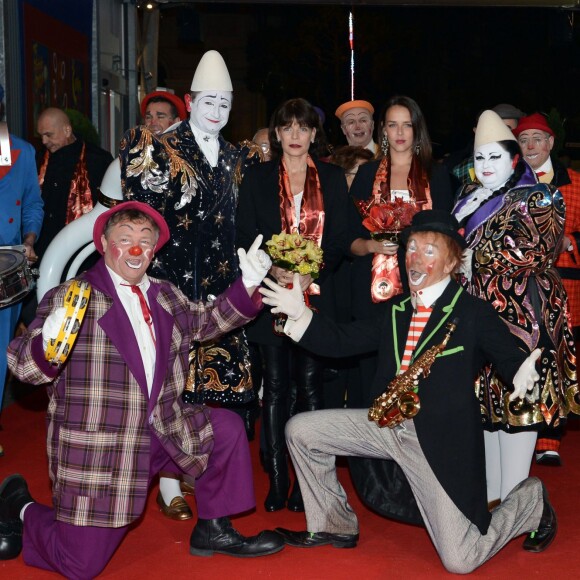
385	221
295	253
298	254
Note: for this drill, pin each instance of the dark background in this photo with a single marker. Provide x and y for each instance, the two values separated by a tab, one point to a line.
454	61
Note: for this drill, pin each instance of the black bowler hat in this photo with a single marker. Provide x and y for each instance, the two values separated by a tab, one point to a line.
434	220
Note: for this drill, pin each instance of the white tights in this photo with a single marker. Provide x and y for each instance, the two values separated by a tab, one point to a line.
508	457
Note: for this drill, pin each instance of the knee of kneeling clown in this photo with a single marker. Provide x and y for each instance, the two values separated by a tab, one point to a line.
297	429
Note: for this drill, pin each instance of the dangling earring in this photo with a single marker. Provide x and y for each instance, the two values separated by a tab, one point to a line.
385	145
417	149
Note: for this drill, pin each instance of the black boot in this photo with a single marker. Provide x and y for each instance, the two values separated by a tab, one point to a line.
295	503
279	484
14	495
219	537
275	457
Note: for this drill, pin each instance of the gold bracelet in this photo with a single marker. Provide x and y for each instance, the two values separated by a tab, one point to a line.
76	301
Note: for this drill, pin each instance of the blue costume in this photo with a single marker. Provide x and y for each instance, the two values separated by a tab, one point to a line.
20	213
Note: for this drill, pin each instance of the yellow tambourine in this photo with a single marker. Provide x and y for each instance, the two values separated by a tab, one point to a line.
75	302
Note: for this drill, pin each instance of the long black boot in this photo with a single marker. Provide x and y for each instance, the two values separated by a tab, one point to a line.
274	417
309	375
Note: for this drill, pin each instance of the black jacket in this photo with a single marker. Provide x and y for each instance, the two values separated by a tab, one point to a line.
259	213
449	423
57	180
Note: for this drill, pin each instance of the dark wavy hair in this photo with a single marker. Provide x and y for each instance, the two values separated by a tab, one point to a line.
348	155
305	115
420	132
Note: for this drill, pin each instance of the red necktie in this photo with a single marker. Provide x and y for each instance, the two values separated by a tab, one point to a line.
540	174
144	309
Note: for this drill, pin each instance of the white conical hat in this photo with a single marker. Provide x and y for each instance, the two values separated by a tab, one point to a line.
211	74
490	129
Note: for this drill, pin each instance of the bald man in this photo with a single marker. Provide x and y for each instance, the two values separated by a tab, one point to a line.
69	173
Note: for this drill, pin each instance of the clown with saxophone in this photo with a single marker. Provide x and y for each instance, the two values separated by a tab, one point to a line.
439	446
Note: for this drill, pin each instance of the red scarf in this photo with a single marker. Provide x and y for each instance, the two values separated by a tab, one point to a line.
385	277
417	184
312	214
80	199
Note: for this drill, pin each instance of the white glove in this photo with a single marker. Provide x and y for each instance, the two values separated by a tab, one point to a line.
527	376
466	260
52	325
285	300
254	264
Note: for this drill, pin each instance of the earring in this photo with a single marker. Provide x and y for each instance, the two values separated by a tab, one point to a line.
385	145
417	149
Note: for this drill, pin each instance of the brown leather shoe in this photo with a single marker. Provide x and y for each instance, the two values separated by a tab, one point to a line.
176	510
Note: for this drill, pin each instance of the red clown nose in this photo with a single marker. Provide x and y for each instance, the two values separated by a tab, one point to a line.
135	251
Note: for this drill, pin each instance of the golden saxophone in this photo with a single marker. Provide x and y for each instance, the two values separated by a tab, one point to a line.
400	401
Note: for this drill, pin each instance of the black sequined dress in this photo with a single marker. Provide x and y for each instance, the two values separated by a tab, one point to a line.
198	201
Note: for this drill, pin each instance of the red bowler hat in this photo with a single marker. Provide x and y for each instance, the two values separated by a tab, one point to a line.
535	121
157	218
177	102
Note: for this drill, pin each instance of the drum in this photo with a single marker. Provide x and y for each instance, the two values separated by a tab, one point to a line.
16	277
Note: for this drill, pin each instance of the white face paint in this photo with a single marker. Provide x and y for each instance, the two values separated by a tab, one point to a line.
210	110
493	165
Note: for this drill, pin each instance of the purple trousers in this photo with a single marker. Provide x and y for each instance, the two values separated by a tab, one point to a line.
82	552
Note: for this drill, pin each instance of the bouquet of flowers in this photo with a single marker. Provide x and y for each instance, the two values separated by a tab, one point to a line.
295	253
385	220
298	254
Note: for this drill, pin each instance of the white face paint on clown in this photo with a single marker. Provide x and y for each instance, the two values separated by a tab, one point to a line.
493	165
210	110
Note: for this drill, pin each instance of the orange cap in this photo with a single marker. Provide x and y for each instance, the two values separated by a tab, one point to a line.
353	104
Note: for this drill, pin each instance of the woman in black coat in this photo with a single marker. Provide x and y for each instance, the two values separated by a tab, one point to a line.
405	171
293	193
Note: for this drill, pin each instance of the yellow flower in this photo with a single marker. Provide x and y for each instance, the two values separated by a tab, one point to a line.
296	253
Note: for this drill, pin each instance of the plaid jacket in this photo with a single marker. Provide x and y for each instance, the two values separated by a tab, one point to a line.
100	416
568	182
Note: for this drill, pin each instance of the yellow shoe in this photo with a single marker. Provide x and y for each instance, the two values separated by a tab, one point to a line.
176	510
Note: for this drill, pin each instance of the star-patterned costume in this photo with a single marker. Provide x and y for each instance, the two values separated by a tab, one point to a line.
198	201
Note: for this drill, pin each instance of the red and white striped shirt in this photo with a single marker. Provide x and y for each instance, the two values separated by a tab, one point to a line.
418	322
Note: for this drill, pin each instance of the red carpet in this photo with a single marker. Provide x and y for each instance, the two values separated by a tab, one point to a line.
158	547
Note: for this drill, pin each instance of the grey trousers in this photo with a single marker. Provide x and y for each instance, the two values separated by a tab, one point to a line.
315	438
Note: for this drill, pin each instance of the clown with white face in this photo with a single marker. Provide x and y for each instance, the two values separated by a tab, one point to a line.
209	110
201	173
495	157
493	165
514	226
209	103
